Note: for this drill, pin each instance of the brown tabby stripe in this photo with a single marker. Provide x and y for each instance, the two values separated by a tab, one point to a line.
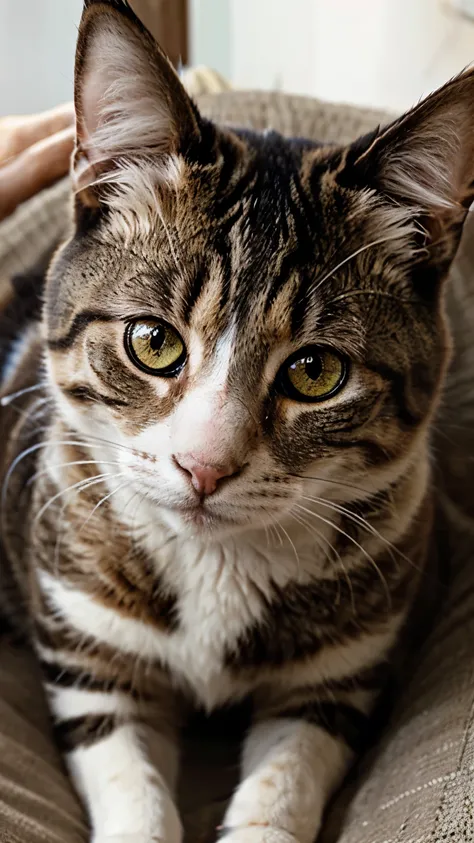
122	592
76	660
123	578
79	324
195	288
302	619
84	731
86	395
64	639
338	719
78	677
370	679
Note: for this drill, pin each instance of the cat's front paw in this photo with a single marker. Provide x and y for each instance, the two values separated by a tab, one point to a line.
256	834
161	827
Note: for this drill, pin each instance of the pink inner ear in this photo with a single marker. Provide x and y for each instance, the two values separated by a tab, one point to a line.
92	94
91	100
94	88
87	123
126	107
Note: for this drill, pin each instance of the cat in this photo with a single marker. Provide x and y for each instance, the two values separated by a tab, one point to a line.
217	476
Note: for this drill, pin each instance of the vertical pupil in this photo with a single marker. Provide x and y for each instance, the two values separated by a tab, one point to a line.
157	337
313	367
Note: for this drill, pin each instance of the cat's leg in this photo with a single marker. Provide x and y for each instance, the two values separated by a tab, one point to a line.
295	756
123	768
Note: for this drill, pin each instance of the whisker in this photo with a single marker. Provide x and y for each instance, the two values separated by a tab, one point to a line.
313	531
91	438
357	519
278	536
104	500
43	471
266	531
50	443
5	400
357	544
298	562
35	411
319	282
378	293
22	455
80	485
275	525
316	534
342	483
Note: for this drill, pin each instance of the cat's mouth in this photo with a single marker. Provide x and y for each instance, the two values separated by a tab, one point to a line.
200	515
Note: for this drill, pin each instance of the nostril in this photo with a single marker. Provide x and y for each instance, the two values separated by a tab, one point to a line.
179	465
203	476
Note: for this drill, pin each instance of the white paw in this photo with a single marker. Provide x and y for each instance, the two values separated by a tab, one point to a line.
257	834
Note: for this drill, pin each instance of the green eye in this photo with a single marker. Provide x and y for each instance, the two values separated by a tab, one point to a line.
155	347
312	374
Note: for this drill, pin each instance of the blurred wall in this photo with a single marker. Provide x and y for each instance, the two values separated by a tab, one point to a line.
210	35
37	41
384	53
37	44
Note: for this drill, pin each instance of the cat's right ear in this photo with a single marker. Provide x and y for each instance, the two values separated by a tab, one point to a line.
130	104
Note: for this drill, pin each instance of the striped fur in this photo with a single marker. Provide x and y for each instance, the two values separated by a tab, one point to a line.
293	581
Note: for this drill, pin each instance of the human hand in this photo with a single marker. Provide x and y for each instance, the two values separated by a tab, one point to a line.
34	152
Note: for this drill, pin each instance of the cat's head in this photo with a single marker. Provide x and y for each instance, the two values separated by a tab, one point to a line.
237	311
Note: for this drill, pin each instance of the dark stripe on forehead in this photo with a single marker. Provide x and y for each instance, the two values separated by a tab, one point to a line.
229	161
300	305
223	249
278	282
195	288
79	324
236	193
300	214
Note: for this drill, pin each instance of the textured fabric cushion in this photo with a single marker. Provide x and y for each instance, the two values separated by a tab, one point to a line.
37	804
417	786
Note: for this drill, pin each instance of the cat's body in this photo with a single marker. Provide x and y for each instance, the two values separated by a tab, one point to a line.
219	486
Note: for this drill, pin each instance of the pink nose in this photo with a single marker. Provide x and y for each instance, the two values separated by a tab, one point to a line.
203	477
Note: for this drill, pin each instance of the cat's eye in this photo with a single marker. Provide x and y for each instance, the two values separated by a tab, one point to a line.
312	374
155	347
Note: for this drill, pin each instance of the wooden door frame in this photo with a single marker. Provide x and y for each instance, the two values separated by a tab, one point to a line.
167	20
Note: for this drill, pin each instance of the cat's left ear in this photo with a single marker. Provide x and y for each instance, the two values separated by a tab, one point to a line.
424	162
130	104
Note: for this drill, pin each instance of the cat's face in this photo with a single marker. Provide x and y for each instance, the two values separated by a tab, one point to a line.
238	312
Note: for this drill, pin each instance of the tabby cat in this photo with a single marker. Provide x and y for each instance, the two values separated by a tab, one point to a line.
217	482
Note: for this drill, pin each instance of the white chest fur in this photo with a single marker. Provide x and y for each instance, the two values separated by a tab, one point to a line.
223	589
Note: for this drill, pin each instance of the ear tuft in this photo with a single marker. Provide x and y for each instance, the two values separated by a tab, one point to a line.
423	165
424	173
132	111
426	157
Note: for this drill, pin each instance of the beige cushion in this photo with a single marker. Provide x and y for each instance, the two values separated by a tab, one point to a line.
418	787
